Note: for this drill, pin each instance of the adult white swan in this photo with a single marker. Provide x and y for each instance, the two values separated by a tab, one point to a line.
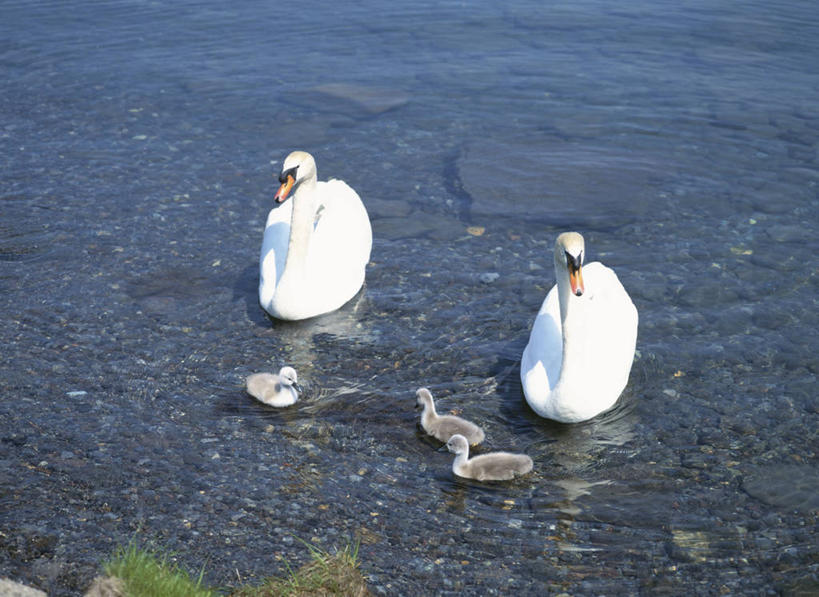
315	247
582	343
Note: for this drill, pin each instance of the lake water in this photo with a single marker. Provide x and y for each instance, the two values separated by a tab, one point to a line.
140	143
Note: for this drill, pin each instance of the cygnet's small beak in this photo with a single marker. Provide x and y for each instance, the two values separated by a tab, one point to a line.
443	448
284	190
296	385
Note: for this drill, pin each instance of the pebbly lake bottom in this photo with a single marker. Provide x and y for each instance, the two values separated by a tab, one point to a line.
125	415
139	140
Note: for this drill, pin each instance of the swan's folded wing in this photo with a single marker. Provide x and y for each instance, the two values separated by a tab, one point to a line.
614	316
540	365
342	233
273	252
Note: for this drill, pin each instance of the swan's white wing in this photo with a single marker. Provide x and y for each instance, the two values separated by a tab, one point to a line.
342	238
341	216
612	327
274	250
540	364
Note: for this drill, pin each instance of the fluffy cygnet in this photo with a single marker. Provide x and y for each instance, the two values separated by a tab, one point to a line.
443	427
495	466
276	390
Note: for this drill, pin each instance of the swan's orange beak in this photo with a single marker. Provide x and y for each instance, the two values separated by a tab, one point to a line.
283	191
576	281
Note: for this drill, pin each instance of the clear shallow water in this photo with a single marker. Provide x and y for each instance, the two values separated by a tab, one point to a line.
140	142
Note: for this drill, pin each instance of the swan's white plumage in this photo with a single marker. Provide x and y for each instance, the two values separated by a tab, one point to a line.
597	331
316	246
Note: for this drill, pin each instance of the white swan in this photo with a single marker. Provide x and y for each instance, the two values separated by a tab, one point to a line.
443	427
276	390
315	247
495	466
582	342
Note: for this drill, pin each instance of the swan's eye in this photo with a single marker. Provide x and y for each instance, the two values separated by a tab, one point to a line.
573	263
289	172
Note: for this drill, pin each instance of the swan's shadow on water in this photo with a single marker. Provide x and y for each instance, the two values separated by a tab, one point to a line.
572	461
246	288
347	321
575	449
311	346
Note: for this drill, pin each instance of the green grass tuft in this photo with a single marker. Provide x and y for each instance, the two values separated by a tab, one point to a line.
327	574
146	573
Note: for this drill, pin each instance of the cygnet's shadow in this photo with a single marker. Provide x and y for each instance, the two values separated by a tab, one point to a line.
237	402
435	445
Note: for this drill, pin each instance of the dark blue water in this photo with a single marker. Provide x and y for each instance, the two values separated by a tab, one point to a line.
139	145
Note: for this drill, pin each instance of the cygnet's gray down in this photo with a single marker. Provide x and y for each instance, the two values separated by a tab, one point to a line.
495	466
443	427
276	390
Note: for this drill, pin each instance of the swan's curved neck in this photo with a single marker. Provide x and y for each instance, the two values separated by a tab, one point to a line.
461	459
301	228
571	324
